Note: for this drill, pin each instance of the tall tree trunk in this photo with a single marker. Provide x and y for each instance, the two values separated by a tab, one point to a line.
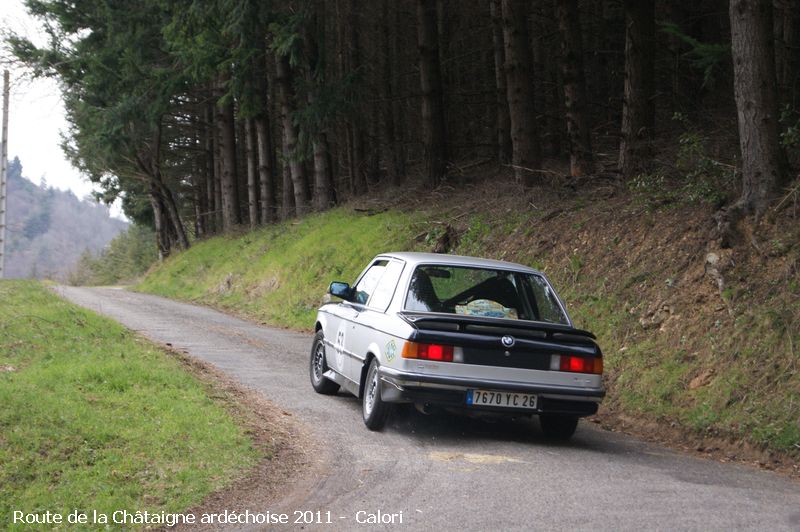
527	157
430	76
358	174
251	156
324	197
323	176
373	145
638	106
763	167
503	122
150	164
787	51
172	214
217	147
391	146
266	169
198	198
602	43
241	165
399	88
162	242
210	160
358	171
218	187
578	130
552	130
199	230
541	54
287	189
169	232
199	179
444	38
267	163
231	214
299	180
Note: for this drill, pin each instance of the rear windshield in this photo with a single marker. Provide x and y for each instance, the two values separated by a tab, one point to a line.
483	293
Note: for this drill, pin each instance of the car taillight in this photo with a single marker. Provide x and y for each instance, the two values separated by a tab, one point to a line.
576	364
437	352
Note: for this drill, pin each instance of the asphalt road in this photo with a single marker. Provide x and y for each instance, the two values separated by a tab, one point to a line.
451	473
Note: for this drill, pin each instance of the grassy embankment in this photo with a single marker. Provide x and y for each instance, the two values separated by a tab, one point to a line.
279	274
679	351
95	418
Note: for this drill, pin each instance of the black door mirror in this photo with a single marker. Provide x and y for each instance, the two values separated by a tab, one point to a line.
340	290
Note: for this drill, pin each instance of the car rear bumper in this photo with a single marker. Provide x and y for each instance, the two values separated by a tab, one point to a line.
400	386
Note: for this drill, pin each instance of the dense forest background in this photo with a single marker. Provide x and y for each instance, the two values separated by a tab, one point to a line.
49	229
205	116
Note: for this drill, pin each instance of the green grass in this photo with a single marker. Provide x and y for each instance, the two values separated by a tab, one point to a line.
94	418
279	274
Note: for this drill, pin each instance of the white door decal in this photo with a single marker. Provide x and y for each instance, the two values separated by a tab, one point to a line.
339	346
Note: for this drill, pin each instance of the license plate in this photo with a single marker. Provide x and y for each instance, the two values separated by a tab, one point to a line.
501	399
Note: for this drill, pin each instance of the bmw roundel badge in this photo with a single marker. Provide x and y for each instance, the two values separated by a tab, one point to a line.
508	341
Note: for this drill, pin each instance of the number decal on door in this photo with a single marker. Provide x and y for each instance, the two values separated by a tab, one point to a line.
339	346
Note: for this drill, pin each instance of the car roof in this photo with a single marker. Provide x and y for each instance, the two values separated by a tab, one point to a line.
414	258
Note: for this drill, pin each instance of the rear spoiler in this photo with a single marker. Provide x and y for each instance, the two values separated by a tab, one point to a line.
460	322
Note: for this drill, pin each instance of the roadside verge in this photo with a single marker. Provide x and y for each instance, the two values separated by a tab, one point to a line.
96	419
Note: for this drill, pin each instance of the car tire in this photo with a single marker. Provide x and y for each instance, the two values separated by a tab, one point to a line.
558	428
318	366
375	411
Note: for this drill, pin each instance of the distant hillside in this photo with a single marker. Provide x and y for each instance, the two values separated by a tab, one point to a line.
48	229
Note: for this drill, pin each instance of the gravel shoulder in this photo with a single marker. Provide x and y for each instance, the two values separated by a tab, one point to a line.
450	472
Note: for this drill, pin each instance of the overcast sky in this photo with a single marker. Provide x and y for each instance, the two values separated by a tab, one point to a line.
36	117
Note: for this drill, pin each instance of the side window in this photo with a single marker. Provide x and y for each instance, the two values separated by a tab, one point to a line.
369	281
384	291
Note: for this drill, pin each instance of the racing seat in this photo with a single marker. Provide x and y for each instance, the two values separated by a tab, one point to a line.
421	295
502	291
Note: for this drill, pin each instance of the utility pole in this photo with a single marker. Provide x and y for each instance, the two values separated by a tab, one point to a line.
4	176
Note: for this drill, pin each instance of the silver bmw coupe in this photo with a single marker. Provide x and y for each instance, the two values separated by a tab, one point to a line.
460	333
